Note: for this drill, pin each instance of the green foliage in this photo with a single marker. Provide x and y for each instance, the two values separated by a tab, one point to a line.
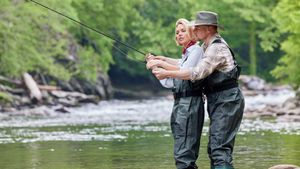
5	98
256	17
287	17
34	39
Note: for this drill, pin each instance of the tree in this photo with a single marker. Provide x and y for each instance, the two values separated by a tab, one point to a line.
32	39
256	16
286	15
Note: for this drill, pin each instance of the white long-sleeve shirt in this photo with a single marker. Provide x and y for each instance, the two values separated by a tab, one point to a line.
190	59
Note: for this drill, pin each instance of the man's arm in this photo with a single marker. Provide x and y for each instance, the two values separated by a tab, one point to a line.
215	56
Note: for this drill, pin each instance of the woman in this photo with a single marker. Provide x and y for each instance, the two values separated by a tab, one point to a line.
188	109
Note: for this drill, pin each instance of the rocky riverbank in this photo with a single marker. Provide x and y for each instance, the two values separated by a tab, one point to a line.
271	104
262	99
32	92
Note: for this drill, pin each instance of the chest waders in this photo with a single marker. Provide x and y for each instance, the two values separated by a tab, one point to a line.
186	122
225	106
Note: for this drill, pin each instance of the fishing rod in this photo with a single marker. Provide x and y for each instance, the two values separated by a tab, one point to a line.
90	28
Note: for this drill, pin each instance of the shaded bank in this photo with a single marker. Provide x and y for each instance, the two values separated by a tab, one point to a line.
37	90
263	100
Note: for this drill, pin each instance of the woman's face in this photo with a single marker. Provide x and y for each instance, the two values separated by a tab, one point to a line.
182	37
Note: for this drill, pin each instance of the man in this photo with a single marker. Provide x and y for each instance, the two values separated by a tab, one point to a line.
220	71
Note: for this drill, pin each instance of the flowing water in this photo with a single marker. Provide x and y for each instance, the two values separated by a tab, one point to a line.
134	134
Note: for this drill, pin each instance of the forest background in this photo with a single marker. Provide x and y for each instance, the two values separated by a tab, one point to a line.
265	35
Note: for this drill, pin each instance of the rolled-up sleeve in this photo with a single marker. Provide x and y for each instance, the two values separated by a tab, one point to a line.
167	83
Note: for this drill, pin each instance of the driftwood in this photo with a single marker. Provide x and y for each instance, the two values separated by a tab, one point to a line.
18	91
48	88
34	92
10	81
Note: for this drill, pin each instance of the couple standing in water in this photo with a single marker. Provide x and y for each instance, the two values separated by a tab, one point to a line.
210	70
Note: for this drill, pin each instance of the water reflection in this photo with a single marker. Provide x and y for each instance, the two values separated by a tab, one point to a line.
131	134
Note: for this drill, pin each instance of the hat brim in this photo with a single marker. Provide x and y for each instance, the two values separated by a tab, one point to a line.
193	24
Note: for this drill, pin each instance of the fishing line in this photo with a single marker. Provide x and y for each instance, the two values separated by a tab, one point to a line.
124	53
95	30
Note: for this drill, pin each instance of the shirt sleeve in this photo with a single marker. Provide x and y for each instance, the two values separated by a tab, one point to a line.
215	58
193	58
167	83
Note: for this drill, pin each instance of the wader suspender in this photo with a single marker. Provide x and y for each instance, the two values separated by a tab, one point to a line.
231	83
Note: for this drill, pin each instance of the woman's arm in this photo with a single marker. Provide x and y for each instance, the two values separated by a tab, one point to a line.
171	61
153	63
160	73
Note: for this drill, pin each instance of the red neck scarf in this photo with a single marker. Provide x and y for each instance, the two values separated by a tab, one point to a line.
191	43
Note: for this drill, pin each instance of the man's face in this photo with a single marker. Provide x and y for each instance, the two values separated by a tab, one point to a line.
201	32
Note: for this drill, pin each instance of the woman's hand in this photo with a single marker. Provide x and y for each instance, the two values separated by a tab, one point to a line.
163	58
149	57
159	73
153	63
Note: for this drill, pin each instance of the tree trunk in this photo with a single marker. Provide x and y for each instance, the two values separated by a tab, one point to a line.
252	45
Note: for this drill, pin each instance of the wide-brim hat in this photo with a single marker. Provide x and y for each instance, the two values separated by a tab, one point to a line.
206	18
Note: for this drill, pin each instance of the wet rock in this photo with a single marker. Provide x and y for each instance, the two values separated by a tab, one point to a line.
62	109
8	109
252	82
289	118
64	94
250	92
256	88
71	102
280	113
36	111
285	166
290	103
101	87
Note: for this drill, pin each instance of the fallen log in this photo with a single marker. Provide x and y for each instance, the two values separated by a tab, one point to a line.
18	91
10	81
34	92
48	88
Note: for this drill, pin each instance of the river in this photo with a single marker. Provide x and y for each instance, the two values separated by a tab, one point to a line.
134	134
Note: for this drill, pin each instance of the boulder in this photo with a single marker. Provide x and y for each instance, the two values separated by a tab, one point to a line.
252	82
285	166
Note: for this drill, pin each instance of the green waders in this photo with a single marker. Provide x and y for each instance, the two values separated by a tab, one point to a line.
186	122
225	106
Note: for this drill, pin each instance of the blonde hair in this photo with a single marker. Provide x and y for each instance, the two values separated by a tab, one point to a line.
189	29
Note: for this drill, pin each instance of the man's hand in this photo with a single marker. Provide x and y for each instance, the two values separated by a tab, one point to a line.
159	73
